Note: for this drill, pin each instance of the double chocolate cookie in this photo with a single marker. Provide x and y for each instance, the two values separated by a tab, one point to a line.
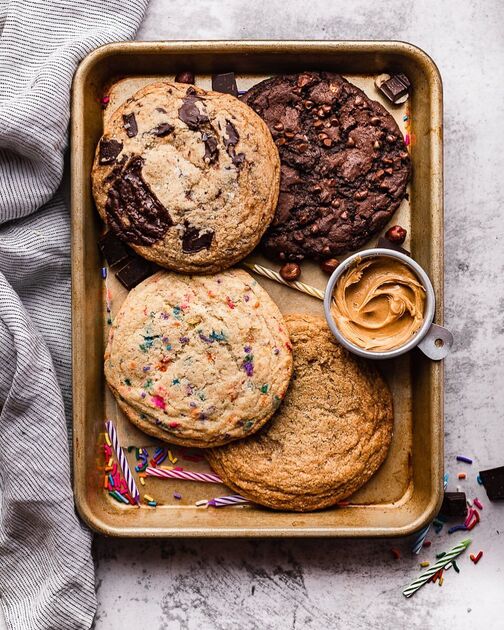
188	178
344	164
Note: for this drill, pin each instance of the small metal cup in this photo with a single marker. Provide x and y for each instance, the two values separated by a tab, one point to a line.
433	340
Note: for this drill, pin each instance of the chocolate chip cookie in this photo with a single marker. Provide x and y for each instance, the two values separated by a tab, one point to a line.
329	436
199	360
344	164
188	178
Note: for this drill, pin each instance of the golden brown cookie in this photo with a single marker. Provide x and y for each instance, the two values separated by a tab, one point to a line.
328	437
188	178
201	360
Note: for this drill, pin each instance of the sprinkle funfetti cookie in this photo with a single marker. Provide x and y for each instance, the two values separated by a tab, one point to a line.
188	178
199	360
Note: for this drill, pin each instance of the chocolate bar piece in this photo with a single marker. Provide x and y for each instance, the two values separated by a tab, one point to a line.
225	83
385	243
493	480
113	249
454	504
134	271
396	88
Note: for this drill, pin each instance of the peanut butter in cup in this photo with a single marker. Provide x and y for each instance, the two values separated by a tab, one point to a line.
378	304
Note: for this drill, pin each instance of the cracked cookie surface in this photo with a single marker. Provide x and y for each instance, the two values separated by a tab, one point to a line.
199	360
188	178
330	435
344	164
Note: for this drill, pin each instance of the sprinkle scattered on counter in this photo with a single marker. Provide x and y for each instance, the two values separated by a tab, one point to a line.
478	503
396	554
476	558
463	458
461	475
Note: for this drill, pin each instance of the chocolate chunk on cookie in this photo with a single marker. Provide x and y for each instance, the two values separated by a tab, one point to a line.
344	164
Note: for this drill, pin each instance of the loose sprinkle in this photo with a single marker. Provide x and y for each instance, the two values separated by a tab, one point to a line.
425	563
478	503
104	272
462	458
177	495
427	543
457	528
396	554
148	497
142	481
107	440
469	503
152	503
461	475
440	555
478	479
201	502
455	566
476	558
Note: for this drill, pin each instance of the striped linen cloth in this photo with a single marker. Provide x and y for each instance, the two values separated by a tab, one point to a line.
46	568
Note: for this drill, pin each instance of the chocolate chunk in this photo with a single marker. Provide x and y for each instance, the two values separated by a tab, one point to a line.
396	87
133	211
230	141
185	77
109	150
114	251
454	504
194	240
134	272
211	150
130	124
163	130
189	112
385	243
493	480
225	83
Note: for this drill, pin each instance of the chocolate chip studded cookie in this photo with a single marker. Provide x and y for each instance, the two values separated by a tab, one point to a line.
344	164
188	178
330	435
199	360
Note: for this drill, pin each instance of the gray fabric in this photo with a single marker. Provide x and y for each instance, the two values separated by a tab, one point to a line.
46	569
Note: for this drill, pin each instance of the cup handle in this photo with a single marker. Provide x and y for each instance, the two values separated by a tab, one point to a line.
437	342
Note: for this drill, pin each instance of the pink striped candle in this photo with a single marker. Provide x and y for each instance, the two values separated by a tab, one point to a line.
187	475
123	462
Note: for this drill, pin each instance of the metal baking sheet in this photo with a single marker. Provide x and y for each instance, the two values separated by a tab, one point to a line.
407	490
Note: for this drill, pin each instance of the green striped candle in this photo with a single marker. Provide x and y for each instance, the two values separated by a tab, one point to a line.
442	562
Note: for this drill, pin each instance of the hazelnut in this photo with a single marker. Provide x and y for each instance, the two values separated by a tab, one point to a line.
350	142
396	234
375	121
376	144
280	141
278	126
326	109
289	134
317	124
360	195
185	77
329	265
308	104
327	142
290	271
390	138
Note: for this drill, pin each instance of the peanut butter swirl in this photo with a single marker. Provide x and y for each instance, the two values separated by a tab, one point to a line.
378	304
